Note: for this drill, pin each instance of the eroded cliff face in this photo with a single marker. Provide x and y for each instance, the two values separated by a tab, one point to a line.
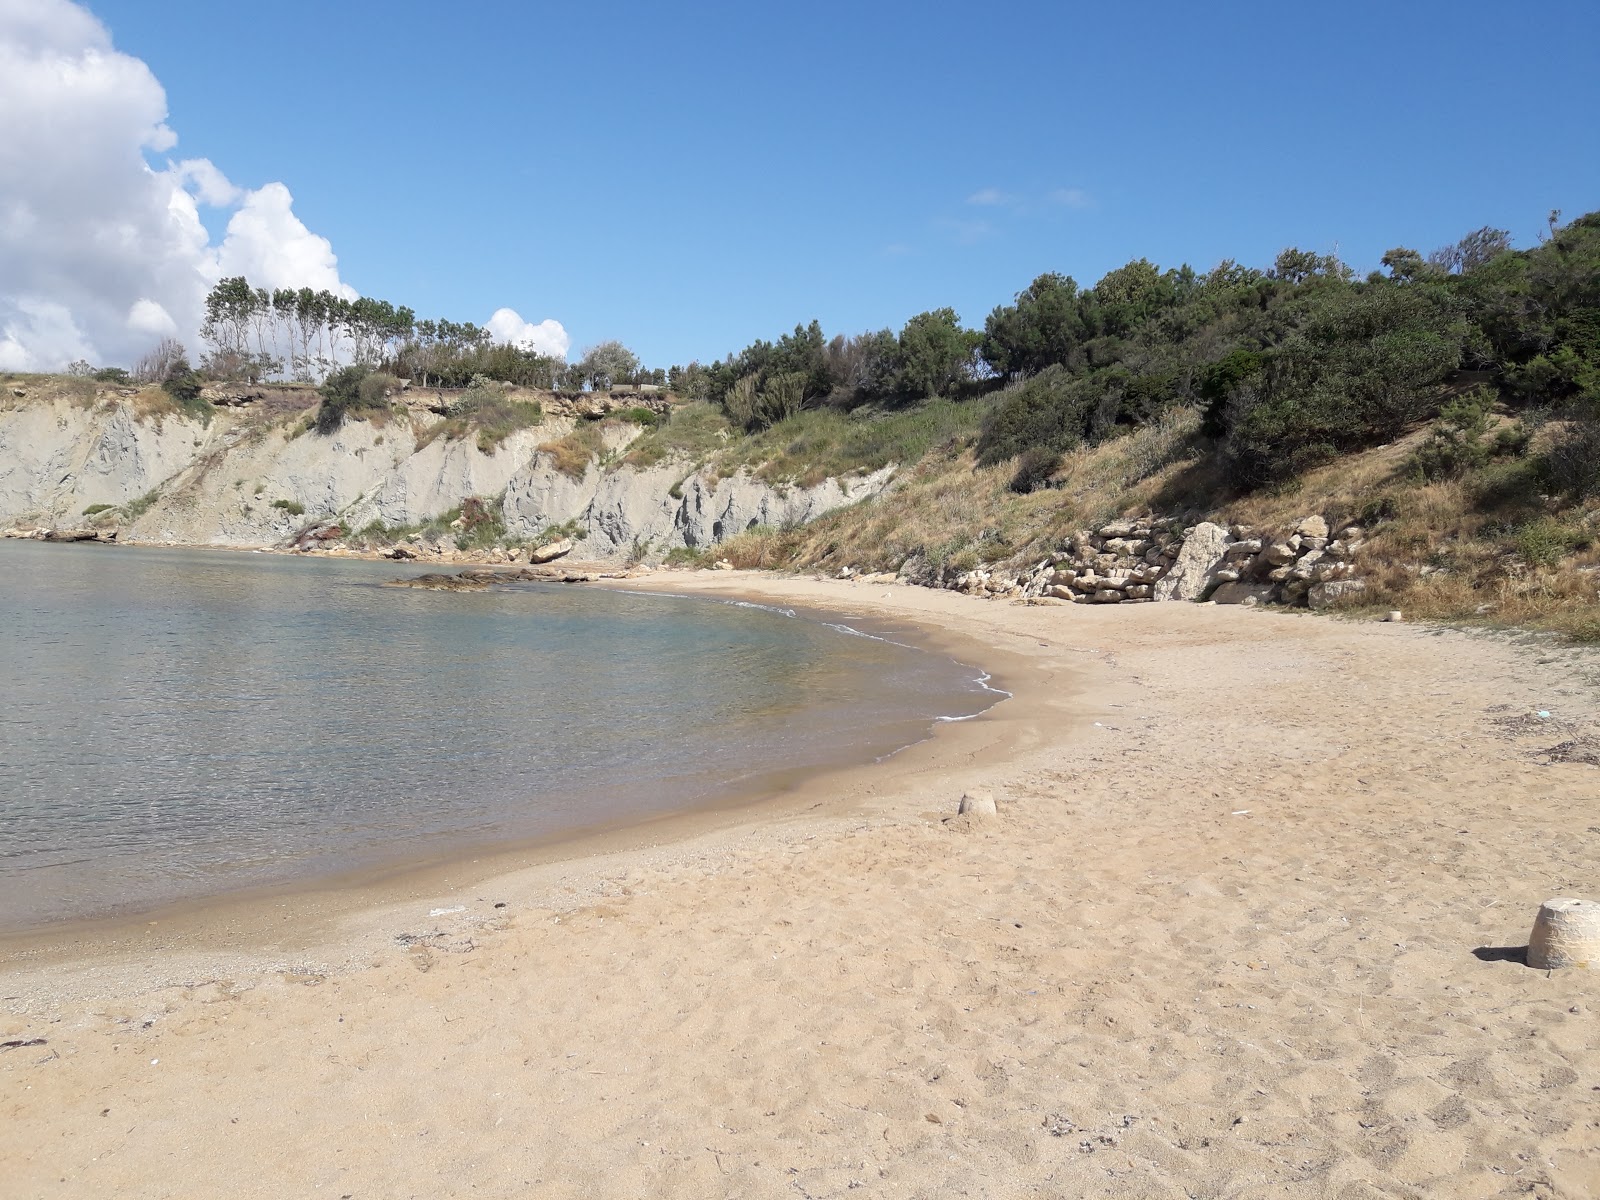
241	480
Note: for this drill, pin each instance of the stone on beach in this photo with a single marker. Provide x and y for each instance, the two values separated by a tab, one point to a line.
1196	565
550	551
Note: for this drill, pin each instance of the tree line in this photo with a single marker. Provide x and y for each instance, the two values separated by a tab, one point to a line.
303	335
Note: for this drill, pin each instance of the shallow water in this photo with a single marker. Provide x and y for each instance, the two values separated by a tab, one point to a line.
181	723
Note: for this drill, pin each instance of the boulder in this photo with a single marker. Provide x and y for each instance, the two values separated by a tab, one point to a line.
1194	571
1335	591
1275	554
1243	593
1312	527
550	551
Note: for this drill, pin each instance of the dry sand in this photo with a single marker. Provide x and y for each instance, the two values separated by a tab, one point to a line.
1218	942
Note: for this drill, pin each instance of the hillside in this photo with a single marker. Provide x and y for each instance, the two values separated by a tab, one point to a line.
1426	439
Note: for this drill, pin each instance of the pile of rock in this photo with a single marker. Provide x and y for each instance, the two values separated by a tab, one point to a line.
1120	561
1132	561
1307	567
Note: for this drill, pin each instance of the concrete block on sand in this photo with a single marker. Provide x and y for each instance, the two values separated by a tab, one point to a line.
1566	933
979	803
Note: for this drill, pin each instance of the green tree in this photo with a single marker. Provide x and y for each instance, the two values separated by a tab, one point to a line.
936	353
606	364
1042	327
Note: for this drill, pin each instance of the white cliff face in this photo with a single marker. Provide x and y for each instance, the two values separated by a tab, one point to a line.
217	483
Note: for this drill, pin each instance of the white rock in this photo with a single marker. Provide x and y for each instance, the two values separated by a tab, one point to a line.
1194	571
1325	595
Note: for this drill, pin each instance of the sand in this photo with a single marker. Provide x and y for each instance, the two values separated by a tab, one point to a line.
1218	942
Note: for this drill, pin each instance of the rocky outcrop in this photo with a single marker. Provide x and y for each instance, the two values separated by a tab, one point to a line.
254	476
633	512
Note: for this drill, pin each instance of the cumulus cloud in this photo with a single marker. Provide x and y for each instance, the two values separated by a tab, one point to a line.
101	252
102	249
546	337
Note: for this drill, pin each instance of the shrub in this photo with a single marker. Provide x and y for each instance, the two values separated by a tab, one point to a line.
1456	444
341	397
292	507
640	415
572	454
1572	463
1365	364
1034	468
1546	541
480	524
97	508
135	509
1047	412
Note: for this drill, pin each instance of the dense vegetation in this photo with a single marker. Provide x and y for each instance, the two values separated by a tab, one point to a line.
1291	366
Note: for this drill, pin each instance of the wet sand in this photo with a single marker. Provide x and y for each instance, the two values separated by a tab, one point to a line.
1218	942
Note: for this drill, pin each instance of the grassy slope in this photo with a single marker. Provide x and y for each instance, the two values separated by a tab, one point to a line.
1485	548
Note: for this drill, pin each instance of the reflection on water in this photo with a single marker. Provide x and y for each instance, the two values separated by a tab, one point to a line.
176	723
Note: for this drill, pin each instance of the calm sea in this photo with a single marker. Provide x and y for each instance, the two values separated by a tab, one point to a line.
177	724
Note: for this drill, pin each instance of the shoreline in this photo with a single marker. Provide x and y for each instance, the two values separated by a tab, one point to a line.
1245	924
334	921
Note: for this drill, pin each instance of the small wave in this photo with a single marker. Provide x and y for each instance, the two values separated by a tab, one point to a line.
872	637
771	608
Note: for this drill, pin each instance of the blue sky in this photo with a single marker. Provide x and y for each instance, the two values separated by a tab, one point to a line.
687	178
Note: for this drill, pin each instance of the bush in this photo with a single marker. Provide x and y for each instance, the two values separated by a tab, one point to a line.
1456	444
341	396
97	508
1366	363
1034	468
1572	463
182	386
1048	412
293	508
481	524
485	408
640	416
1546	541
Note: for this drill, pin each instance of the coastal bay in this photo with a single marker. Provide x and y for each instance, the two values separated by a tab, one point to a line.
1218	939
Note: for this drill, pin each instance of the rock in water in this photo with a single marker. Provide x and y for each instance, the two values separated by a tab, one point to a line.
550	551
1195	569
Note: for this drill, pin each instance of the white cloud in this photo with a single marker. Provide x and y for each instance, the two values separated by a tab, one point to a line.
1071	198
989	197
547	337
100	252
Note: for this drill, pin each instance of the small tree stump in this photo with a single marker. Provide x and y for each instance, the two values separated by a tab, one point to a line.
979	803
1566	933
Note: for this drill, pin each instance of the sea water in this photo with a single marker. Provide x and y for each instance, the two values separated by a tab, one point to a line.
176	724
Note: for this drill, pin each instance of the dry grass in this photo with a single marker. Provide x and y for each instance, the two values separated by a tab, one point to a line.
571	455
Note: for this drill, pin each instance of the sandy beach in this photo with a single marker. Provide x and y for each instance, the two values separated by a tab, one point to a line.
1218	942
